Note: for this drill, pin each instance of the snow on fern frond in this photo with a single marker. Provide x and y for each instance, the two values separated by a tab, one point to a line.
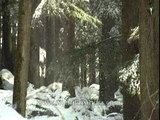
82	93
98	108
89	93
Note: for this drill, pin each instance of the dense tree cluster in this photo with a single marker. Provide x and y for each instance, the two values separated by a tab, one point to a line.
113	43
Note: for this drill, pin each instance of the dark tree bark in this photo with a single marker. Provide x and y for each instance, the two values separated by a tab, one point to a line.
102	90
131	103
22	58
37	33
0	35
107	62
83	71
7	45
149	59
52	46
92	72
69	44
129	21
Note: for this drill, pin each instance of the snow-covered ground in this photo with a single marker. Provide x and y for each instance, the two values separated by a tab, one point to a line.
51	103
8	113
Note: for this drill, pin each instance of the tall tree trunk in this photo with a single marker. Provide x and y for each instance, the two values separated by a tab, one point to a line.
83	71
69	43
37	34
22	58
129	21
0	36
92	72
149	59
107	63
14	32
52	37
7	54
50	46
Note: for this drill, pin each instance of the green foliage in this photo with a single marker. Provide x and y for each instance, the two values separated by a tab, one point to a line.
64	10
82	15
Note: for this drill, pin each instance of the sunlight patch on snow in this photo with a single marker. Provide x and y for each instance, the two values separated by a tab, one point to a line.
42	54
42	59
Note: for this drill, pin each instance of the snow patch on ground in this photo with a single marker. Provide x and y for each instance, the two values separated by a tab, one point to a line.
8	113
51	103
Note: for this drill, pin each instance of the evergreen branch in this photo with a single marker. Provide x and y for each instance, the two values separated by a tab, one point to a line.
63	9
81	14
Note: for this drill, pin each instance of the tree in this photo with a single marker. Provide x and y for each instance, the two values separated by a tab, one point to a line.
129	51
22	58
52	46
69	44
129	21
149	59
92	72
107	63
108	49
36	37
56	12
7	45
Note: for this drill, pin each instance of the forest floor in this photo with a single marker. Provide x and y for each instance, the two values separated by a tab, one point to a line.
51	103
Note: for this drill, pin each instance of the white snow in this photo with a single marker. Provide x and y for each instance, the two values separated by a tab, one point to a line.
7	79
38	11
51	103
6	95
118	95
8	113
96	86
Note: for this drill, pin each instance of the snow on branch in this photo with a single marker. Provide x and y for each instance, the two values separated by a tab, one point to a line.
134	35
